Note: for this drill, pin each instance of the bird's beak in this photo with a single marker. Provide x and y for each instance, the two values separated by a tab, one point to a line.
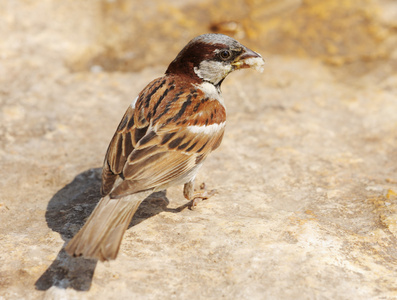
249	59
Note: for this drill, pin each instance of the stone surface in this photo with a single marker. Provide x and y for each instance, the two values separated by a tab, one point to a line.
306	175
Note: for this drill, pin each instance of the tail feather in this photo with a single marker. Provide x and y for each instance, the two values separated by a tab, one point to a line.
101	235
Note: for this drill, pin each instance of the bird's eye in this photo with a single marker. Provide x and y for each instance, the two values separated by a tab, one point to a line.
225	54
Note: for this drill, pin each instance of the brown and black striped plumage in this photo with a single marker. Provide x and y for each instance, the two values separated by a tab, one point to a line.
163	139
154	139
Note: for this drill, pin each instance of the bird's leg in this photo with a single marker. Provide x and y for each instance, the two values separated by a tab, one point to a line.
196	196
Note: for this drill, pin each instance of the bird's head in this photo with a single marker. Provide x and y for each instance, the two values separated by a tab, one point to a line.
211	57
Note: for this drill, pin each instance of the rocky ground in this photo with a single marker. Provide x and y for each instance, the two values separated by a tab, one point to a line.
306	175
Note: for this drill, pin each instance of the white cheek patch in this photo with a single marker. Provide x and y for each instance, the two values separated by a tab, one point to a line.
134	102
255	63
206	129
213	71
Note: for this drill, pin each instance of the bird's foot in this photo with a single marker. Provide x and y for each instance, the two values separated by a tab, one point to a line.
200	195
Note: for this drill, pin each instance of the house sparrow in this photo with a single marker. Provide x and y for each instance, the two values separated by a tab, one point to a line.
163	139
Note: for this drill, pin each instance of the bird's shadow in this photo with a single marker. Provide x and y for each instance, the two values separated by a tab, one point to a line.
66	213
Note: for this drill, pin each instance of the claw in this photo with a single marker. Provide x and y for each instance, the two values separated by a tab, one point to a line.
201	195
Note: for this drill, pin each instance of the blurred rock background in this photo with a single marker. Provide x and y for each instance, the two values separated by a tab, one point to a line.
306	174
337	33
116	35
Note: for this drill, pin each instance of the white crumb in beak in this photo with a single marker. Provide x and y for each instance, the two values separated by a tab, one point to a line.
255	63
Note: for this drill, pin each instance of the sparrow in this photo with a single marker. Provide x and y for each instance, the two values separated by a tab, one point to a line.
163	139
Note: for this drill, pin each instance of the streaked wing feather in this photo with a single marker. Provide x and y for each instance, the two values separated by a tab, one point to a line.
154	144
159	165
119	148
132	128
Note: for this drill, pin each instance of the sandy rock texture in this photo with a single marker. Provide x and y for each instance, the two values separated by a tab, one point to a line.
306	175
